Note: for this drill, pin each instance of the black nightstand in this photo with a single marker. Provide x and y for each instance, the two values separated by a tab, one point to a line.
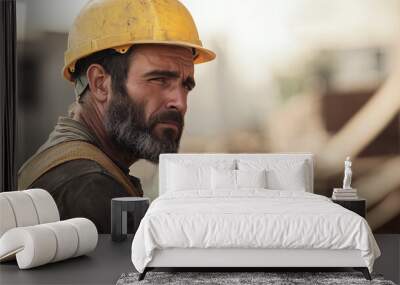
358	206
119	208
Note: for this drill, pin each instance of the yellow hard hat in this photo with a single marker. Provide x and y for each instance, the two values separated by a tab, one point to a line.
119	24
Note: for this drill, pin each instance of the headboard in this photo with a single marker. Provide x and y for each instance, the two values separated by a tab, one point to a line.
165	158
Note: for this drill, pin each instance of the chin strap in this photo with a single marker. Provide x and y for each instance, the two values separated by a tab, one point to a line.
81	85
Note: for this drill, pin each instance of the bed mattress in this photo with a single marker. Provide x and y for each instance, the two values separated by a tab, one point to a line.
252	219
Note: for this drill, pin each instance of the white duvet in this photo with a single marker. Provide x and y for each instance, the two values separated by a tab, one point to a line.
251	218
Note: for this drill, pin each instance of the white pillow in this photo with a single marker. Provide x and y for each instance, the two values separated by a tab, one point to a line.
183	174
223	179
251	178
282	174
184	177
236	179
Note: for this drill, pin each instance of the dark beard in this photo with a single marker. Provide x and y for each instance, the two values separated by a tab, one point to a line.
127	128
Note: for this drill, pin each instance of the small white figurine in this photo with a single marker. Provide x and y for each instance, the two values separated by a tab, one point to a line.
347	174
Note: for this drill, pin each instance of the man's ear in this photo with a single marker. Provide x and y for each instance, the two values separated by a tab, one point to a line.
99	85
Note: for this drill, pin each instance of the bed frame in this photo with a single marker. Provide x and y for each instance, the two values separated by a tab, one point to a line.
245	259
242	259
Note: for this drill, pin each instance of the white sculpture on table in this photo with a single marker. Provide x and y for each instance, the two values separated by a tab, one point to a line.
347	173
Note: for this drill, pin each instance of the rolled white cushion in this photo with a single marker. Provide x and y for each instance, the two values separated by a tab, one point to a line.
45	205
7	218
23	208
40	244
87	234
67	240
26	208
33	246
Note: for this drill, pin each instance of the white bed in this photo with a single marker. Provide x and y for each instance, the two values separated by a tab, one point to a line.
201	219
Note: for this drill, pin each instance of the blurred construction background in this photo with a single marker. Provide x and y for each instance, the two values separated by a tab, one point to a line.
290	76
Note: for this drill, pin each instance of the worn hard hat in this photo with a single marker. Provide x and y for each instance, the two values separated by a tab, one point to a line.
119	24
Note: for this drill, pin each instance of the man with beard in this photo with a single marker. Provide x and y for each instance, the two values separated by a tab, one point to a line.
132	63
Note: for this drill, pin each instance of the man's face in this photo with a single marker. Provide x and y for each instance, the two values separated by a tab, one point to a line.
149	118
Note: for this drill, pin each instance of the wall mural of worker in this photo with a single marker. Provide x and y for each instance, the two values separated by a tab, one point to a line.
334	94
132	65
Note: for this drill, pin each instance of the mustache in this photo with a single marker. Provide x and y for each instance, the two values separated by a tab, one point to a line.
167	116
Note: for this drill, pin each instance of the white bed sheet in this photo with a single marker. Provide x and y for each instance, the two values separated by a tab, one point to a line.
250	218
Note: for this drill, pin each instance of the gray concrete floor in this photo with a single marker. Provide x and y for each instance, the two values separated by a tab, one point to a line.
102	266
389	262
106	264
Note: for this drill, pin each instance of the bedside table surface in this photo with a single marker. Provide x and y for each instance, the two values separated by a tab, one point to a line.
130	199
348	200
